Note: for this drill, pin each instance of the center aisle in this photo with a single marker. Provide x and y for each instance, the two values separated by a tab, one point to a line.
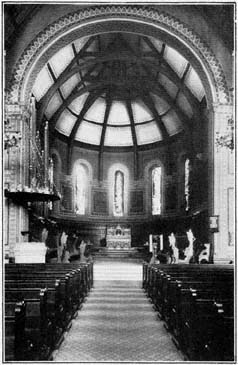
117	323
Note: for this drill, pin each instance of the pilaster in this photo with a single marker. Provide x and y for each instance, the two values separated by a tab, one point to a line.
223	186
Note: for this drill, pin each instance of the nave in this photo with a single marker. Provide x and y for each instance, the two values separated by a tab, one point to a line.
71	312
117	322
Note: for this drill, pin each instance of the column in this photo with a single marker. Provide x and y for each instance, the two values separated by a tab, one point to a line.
16	217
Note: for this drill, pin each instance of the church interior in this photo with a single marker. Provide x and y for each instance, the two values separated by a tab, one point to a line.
119	182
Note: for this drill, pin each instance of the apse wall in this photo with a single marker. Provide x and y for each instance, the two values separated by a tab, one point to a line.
138	192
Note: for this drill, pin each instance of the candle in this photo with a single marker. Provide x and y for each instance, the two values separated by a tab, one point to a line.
150	243
161	242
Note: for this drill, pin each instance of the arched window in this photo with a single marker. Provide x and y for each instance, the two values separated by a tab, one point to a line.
186	184
118	206
156	190
80	189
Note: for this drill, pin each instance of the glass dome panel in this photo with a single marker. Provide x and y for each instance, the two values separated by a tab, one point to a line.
97	111
169	86
184	105
77	104
65	122
175	60
69	85
172	122
194	83
53	105
42	83
89	133
118	136
147	133
118	114
61	59
140	112
161	105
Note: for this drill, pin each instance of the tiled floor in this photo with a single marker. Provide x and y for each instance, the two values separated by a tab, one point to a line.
117	323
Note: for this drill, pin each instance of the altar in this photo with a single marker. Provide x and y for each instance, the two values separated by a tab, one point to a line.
118	238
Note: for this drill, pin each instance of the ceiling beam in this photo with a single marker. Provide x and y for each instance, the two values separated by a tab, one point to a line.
150	104
106	56
151	64
187	124
88	103
156	88
171	73
69	67
104	127
77	61
182	79
158	65
130	113
53	120
66	102
185	72
159	90
99	43
105	120
63	76
134	138
54	78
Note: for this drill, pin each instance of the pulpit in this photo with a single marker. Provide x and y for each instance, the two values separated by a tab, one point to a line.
118	238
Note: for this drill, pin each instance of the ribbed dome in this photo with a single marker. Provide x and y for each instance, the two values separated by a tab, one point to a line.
117	90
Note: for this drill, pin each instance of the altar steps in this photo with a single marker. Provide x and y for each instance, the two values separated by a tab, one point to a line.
116	254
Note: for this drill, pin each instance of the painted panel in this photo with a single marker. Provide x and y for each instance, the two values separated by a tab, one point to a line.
100	205
136	202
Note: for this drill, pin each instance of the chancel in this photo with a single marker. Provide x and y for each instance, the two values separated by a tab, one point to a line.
119	182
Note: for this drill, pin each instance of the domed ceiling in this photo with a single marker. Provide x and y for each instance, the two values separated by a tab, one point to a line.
118	90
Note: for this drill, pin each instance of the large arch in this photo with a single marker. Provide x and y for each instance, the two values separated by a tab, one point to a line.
96	20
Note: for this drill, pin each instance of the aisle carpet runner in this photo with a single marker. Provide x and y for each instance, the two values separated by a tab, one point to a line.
117	323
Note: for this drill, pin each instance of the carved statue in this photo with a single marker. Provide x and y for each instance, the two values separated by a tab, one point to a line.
189	250
175	254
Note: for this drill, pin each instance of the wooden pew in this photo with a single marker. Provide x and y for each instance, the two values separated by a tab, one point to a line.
66	286
48	315
207	333
196	303
32	341
84	276
67	290
14	321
